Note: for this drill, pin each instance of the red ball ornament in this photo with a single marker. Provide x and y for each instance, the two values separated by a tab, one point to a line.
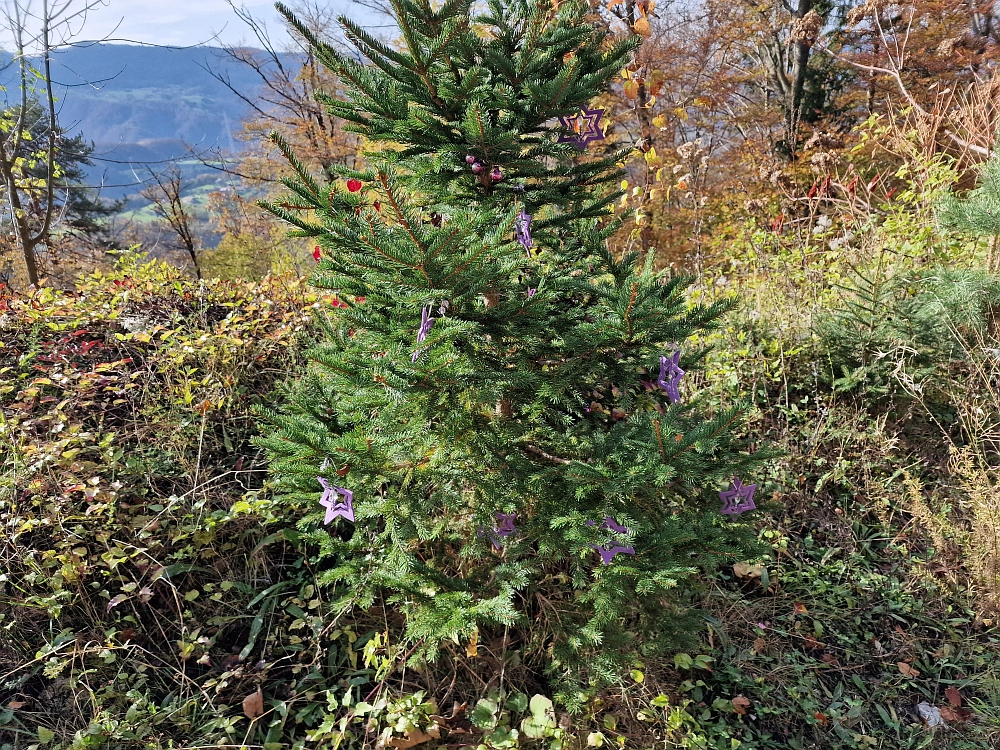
477	168
496	175
316	254
470	159
354	185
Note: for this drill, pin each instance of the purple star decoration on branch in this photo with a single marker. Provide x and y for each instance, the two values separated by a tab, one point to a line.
426	324
331	500
670	376
608	551
738	498
522	229
586	127
505	527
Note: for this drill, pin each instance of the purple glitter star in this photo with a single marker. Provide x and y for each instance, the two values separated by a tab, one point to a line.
585	126
504	528
670	376
505	522
608	551
426	324
522	230
334	505
738	498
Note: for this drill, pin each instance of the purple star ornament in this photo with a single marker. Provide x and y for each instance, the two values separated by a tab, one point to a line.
505	524
505	527
522	230
335	506
738	498
426	324
586	127
670	376
608	551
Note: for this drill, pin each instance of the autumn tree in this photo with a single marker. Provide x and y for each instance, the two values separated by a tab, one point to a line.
31	175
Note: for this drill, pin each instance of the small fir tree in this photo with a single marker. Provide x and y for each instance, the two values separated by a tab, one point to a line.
978	213
468	377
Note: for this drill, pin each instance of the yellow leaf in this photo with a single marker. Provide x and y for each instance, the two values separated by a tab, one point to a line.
473	648
642	28
748	570
659	174
659	121
624	184
653	193
650	102
681	114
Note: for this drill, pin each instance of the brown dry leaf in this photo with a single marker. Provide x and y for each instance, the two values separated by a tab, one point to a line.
821	718
812	643
759	644
473	648
955	714
642	28
418	737
799	608
253	705
954	697
906	670
831	659
613	3
741	704
631	89
17	704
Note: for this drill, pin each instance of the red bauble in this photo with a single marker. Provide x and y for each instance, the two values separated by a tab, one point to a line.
354	185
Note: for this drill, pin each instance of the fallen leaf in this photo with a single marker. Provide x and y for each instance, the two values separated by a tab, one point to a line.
410	739
759	645
831	659
956	715
473	648
799	609
821	718
253	705
748	570
906	670
813	643
741	704
17	704
954	697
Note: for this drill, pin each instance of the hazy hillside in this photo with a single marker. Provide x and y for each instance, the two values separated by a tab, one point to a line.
141	104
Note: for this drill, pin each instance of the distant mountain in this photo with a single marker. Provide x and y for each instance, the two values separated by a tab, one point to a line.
147	104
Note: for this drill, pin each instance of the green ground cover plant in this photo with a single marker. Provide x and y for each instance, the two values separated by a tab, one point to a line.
157	591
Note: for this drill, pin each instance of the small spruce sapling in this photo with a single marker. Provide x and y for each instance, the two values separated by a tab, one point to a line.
477	381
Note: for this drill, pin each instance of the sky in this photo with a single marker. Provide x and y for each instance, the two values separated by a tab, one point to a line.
185	22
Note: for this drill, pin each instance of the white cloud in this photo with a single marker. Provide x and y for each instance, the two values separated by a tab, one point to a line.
175	22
